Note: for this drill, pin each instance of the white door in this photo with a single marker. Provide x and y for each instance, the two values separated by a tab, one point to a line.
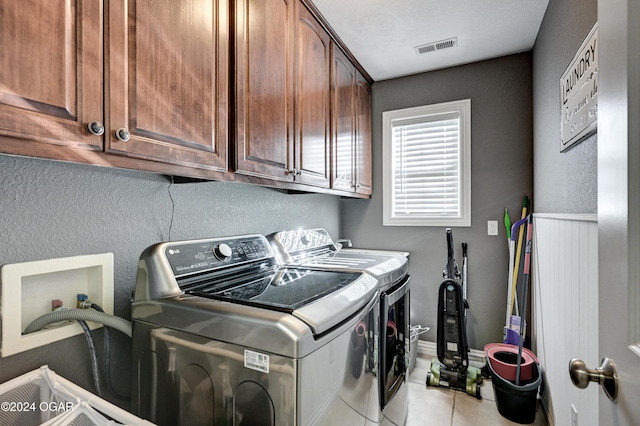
619	204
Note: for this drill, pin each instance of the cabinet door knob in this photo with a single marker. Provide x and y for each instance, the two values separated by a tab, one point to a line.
606	376
292	172
95	128
123	135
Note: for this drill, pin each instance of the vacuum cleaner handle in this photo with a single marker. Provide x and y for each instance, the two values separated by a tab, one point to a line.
464	275
451	270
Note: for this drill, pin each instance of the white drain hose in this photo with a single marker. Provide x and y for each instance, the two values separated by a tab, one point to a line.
112	321
416	330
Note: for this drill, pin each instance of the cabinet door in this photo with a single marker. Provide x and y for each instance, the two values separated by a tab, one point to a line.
343	126
363	170
264	88
168	88
50	74
312	138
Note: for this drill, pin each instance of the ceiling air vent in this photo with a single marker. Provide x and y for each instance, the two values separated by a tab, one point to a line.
438	45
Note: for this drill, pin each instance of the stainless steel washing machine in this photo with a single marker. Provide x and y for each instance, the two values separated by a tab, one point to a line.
224	335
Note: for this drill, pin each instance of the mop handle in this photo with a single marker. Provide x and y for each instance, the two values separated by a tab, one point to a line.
527	263
514	228
510	286
525	203
527	250
516	236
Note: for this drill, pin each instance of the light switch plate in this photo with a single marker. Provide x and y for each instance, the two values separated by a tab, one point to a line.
28	289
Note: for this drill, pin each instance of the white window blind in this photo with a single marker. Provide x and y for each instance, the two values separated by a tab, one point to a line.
426	165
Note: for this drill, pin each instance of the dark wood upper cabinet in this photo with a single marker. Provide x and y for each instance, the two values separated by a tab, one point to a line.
342	119
50	75
161	84
282	93
363	168
264	88
249	90
351	127
312	90
168	78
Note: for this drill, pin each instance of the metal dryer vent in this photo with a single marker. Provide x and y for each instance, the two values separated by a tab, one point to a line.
437	45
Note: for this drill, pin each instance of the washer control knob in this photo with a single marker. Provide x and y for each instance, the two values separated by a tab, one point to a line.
222	252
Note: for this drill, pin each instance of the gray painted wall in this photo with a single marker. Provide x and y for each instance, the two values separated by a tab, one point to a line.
501	172
563	182
53	209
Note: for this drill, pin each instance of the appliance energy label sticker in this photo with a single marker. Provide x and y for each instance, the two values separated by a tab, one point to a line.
256	361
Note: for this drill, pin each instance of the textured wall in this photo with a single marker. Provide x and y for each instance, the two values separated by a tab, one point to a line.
52	209
563	182
501	173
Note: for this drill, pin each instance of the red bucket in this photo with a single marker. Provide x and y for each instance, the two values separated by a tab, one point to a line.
504	358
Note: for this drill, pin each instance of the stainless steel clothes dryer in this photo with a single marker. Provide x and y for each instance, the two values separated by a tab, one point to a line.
314	248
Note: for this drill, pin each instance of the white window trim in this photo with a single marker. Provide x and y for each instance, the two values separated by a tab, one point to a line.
463	108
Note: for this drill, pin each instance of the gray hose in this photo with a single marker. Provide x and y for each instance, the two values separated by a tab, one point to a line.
107	358
117	323
94	357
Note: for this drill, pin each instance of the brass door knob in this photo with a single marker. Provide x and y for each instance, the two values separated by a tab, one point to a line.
605	375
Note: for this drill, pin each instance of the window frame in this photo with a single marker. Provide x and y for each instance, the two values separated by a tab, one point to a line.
462	108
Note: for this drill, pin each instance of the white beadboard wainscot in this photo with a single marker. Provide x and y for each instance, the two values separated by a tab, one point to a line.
564	297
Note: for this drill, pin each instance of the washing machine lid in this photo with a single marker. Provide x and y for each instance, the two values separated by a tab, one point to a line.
314	248
282	289
320	299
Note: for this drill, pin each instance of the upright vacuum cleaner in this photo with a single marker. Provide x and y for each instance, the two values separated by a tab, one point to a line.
451	369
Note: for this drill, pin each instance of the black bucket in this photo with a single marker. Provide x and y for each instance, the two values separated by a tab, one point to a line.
517	403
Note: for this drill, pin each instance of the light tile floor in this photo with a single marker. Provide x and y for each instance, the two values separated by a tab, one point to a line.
446	407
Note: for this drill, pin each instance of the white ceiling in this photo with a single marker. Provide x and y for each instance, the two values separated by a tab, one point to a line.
381	34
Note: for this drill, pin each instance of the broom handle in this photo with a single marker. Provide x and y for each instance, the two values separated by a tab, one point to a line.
525	203
510	287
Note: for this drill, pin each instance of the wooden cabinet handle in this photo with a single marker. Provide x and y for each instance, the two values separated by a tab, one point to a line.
95	128
123	135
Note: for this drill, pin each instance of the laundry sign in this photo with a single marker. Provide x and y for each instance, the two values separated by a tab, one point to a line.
579	93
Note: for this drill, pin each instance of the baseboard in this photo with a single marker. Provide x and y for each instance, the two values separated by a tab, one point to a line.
428	349
545	407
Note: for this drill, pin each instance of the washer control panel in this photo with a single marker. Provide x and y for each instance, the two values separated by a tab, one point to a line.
189	257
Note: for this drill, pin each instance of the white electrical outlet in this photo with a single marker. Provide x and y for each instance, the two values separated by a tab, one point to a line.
492	227
574	416
28	289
